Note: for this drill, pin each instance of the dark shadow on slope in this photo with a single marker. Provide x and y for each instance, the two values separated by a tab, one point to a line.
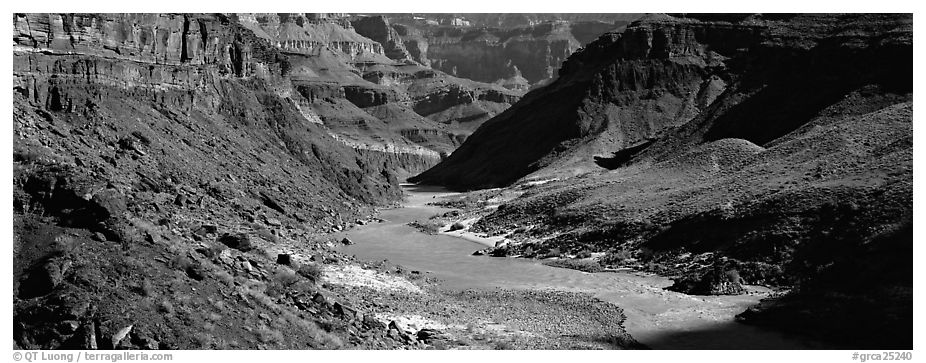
801	87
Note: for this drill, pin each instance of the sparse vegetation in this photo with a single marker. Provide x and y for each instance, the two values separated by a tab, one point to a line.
429	226
585	265
312	271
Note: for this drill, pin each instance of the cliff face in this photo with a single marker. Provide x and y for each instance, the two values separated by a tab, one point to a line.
135	137
625	90
345	79
378	29
308	34
517	57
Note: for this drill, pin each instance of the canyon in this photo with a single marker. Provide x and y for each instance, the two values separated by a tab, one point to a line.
234	181
720	150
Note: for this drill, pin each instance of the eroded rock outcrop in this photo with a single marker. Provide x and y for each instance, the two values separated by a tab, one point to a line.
132	133
626	89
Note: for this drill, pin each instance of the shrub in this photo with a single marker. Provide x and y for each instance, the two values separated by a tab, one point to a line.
733	276
555	252
584	254
281	281
166	307
456	226
224	277
615	257
503	345
266	235
311	271
581	265
429	227
528	252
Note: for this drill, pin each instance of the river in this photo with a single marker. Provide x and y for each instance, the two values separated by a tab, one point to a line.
659	318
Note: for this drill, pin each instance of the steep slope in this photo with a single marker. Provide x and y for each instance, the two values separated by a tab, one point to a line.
155	157
721	151
370	94
625	90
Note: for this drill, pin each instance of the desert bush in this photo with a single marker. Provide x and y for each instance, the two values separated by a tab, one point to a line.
145	288
456	226
429	227
615	257
224	277
166	307
180	262
581	265
528	252
266	235
732	276
555	252
503	345
311	271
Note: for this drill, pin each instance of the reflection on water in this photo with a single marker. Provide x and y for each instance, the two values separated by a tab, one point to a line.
658	318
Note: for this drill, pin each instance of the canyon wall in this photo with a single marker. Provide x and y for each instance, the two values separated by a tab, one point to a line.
771	149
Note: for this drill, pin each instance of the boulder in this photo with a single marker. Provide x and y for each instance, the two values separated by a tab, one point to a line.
238	241
206	229
347	241
121	334
319	298
44	277
343	310
431	336
195	271
107	204
456	226
371	322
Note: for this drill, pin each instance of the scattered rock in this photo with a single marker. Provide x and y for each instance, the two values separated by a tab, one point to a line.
142	340
271	203
206	229
320	299
341	310
371	322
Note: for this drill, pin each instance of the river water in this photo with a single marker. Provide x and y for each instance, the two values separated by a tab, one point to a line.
656	317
